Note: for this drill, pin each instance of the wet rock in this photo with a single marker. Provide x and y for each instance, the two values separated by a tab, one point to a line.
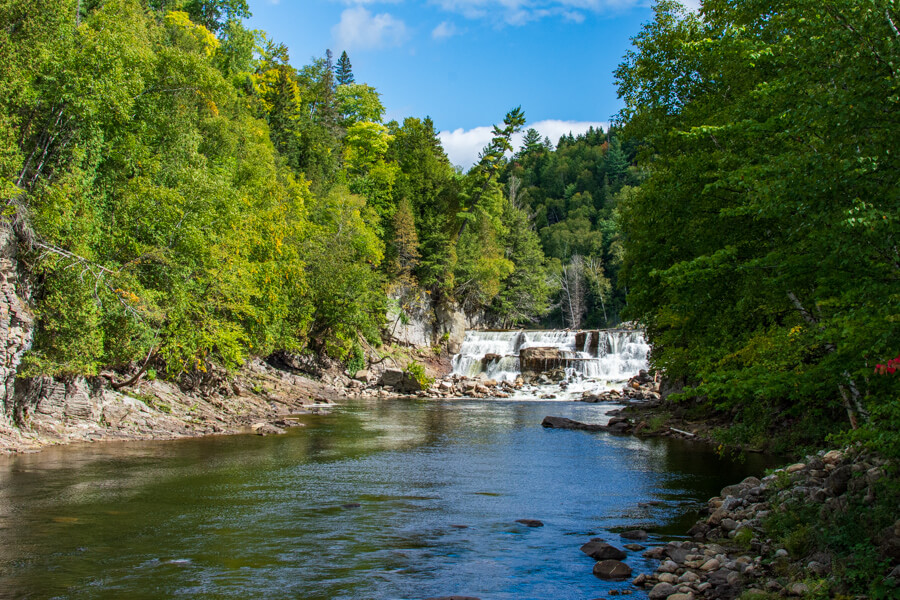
530	522
634	547
564	423
453	598
602	551
612	569
538	360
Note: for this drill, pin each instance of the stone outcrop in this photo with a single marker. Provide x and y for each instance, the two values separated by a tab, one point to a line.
534	361
16	321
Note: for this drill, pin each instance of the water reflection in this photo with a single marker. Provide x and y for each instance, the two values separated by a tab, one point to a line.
368	502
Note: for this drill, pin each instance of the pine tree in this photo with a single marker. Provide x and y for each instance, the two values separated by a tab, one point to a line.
344	71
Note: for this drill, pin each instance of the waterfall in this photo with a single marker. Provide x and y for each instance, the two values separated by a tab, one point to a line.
610	355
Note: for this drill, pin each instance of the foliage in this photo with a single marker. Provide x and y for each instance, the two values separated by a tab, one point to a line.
417	370
761	252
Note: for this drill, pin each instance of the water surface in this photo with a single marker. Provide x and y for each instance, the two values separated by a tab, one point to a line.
379	500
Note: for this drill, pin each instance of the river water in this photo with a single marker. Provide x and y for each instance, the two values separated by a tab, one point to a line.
368	502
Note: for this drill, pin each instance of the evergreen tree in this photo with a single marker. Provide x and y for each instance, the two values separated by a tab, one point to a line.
344	71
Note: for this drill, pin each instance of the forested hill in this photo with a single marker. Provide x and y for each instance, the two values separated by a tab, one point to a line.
183	195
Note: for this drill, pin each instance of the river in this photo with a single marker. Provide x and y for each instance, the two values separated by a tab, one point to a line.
378	500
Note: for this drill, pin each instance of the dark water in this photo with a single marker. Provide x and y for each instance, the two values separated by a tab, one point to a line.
252	517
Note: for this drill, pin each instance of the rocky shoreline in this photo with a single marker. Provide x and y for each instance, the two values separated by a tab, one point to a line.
262	398
734	550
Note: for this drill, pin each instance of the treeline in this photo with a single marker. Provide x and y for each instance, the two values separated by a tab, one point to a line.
184	196
762	250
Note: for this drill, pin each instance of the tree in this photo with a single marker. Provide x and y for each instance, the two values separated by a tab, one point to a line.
343	70
214	14
761	252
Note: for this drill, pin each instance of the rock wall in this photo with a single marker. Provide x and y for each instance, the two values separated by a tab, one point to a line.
16	319
421	322
411	321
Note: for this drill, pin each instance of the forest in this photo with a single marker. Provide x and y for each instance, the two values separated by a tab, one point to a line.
183	195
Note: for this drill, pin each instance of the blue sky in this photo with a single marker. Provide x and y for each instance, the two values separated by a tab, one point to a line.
466	63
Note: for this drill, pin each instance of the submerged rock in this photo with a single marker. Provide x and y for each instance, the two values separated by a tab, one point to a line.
530	522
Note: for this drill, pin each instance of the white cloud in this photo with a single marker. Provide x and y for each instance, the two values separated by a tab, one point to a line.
519	12
462	146
359	28
444	30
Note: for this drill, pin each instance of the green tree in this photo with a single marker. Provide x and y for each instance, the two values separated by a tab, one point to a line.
343	70
761	252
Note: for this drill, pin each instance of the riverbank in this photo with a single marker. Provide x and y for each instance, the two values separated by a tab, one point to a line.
260	398
827	527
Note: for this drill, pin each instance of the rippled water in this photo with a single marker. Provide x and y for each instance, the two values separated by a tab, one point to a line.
365	503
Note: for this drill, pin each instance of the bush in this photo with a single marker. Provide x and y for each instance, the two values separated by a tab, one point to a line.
417	370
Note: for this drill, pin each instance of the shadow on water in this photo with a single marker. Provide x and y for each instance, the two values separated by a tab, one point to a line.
381	499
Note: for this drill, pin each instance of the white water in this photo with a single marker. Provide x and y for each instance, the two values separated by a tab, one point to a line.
619	355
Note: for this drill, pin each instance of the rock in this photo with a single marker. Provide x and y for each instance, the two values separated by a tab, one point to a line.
689	577
836	484
679	555
611	569
655	553
391	377
266	429
453	598
781	553
534	361
634	547
661	591
710	565
602	551
794	468
687	596
668	578
728	524
634	534
833	457
798	589
362	376
530	522
489	358
564	423
669	566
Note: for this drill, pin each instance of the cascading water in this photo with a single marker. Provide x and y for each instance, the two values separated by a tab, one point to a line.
600	359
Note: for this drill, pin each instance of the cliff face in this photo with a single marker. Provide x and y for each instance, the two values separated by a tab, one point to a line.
16	321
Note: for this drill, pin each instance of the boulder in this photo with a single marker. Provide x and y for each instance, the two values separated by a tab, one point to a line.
564	423
612	569
602	551
662	590
538	360
391	377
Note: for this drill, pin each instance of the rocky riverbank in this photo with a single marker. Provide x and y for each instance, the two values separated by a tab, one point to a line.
261	398
827	527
